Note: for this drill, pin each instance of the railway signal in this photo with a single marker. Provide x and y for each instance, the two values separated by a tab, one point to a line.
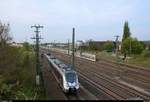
37	27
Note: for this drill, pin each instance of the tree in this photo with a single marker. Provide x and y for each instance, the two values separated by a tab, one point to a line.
126	31
126	34
4	34
132	46
108	46
26	46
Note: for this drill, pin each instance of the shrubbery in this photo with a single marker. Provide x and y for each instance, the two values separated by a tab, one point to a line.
134	44
17	68
108	47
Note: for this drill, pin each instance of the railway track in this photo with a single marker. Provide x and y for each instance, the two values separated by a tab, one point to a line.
117	71
137	70
122	92
141	74
102	88
128	76
73	97
131	92
58	94
53	91
129	66
121	87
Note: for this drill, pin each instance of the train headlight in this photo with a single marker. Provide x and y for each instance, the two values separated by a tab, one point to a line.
77	86
66	85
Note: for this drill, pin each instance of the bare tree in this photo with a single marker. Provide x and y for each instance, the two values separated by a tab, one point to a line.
4	34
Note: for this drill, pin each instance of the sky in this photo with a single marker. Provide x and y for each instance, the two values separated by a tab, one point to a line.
92	19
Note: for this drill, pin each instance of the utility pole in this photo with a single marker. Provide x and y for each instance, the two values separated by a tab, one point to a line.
73	49
117	37
37	27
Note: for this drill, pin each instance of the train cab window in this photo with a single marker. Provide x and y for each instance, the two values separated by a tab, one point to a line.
71	77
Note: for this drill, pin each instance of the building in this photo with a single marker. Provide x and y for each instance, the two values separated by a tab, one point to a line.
16	44
99	45
146	45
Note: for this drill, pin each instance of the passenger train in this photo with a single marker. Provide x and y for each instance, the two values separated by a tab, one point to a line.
65	75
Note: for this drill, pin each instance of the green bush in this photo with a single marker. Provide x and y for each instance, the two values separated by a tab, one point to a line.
108	46
6	91
136	46
17	67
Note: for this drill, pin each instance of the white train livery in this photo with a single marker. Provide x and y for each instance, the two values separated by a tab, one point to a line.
65	76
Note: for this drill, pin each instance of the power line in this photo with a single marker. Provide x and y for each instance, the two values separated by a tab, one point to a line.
37	38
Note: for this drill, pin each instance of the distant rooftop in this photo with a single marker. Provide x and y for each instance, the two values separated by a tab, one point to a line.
146	42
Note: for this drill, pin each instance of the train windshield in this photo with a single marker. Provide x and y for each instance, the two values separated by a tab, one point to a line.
71	77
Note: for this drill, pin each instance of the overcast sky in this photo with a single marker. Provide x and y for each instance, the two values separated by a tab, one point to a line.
93	19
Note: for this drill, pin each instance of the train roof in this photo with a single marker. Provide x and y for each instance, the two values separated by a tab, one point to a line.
52	57
60	64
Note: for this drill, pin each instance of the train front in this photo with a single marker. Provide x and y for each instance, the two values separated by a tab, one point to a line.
71	83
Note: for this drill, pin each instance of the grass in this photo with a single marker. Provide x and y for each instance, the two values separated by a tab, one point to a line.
142	60
105	55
